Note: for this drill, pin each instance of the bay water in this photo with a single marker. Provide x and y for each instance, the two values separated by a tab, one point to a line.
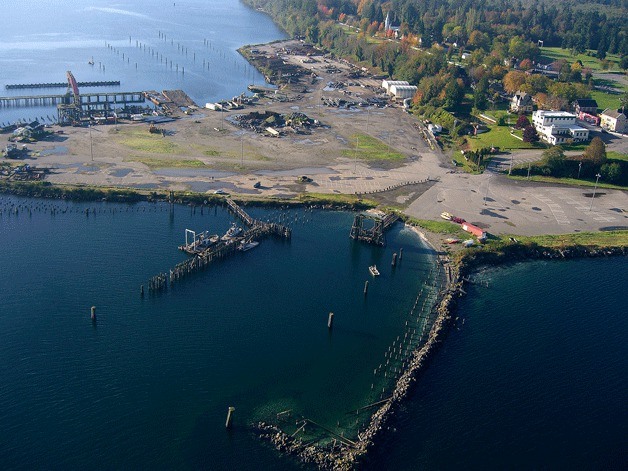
148	385
145	44
532	376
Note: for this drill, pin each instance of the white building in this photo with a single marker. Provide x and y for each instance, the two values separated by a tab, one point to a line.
386	84
613	120
558	127
403	91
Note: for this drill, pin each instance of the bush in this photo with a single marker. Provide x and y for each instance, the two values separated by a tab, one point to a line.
611	172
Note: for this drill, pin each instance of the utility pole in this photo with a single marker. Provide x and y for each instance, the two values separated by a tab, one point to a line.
597	178
91	143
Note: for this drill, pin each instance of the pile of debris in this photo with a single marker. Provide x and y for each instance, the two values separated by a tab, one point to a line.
275	124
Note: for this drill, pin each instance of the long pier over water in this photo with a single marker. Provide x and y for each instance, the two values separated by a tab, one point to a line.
256	230
20	86
88	100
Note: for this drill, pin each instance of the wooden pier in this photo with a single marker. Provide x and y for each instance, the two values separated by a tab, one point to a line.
89	101
375	234
202	258
21	86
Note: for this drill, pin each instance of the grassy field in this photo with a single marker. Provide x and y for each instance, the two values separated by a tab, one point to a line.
439	227
166	163
140	139
323	198
568	181
602	239
556	53
370	148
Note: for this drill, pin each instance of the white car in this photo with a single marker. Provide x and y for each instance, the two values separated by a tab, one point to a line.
220	192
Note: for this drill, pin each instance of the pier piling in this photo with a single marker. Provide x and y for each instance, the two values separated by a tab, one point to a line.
366	287
229	412
330	320
394	259
93	313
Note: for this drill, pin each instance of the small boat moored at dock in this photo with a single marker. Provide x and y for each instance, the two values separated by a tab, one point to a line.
373	270
244	246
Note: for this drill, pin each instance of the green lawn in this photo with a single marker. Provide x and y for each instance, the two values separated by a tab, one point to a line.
556	53
498	136
605	100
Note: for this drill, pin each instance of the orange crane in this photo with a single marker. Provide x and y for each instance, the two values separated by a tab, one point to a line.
72	85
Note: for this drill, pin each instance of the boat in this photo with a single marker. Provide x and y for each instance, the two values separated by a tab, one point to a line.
233	231
468	243
445	215
374	271
244	246
91	61
205	240
452	240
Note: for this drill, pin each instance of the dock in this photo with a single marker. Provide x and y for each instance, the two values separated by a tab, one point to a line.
21	86
374	234
89	101
202	257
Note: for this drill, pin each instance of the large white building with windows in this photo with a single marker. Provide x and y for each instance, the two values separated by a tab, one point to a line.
558	127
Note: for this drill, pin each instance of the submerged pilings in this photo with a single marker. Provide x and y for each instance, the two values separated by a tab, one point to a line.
406	357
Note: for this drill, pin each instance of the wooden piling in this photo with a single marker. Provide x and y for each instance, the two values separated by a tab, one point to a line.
229	412
366	287
93	313
330	320
394	259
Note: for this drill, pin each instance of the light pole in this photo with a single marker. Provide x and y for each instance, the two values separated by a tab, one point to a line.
579	168
597	178
355	162
91	142
242	150
488	182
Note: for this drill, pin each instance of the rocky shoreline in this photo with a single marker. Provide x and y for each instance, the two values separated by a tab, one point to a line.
347	457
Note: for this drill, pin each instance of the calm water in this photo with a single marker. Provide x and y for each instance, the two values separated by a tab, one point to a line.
42	40
533	377
150	384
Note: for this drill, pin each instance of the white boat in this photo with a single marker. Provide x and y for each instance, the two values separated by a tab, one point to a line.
374	271
233	231
243	247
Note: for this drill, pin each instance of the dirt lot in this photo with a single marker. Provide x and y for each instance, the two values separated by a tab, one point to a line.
207	151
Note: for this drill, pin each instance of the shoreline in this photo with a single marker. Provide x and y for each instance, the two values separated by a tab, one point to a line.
457	266
348	456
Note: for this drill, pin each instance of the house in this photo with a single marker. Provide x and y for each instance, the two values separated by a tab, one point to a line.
521	102
614	120
558	127
388	26
585	106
